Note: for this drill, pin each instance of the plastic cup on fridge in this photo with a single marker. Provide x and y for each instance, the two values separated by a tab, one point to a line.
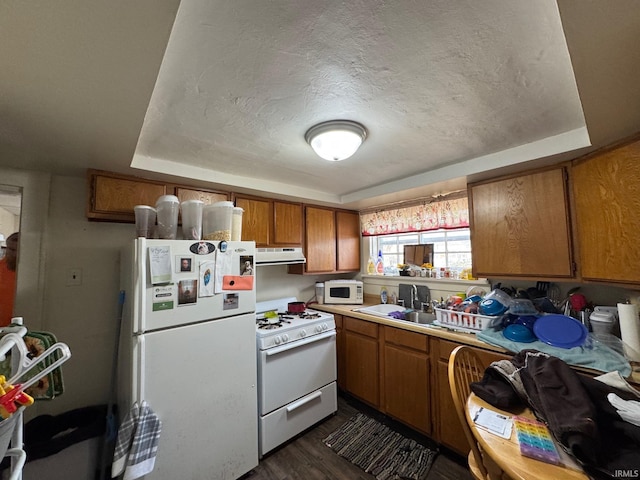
167	208
192	219
145	220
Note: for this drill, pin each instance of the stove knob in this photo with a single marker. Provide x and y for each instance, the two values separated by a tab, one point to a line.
285	338
303	333
325	326
319	328
277	339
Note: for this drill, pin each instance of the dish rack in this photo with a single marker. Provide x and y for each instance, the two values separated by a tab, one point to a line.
465	322
11	428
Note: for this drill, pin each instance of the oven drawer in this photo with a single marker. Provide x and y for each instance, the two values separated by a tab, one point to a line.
288	421
291	371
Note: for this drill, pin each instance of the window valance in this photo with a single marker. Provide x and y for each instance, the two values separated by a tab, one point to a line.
446	213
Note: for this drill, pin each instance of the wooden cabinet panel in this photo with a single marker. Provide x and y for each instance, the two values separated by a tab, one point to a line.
320	249
207	197
520	226
113	197
405	338
332	241
606	190
362	370
256	219
406	378
369	329
348	241
287	224
448	429
270	223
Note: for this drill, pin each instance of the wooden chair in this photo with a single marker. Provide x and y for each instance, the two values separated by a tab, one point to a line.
466	367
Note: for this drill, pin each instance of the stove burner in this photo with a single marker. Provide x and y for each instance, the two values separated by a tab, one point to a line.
265	324
309	315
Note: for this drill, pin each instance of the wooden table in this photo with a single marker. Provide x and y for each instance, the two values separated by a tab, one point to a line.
506	453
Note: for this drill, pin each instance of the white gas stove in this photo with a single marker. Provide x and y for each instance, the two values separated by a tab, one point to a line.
276	326
296	371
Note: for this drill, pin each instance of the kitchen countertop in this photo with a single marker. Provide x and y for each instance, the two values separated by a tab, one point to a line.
439	332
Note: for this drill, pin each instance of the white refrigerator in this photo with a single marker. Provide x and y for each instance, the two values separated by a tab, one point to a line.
188	348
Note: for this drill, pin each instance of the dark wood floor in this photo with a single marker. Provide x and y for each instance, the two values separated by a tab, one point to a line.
307	458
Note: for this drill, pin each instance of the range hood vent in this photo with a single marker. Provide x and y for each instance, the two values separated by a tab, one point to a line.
279	256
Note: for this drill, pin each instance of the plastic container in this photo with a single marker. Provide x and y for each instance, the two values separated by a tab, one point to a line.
602	322
320	293
217	221
145	220
167	209
236	224
379	264
192	219
522	306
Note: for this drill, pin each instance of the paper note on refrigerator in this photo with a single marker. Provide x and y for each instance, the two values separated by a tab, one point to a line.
224	266
160	264
207	269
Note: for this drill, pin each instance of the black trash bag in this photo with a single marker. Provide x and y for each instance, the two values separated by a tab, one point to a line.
46	435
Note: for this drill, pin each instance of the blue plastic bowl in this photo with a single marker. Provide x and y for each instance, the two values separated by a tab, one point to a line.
492	307
519	333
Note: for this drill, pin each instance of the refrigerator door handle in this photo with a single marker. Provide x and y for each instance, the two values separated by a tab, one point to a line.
141	367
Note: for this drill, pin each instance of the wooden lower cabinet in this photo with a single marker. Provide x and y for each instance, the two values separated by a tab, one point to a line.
405	359
362	360
447	429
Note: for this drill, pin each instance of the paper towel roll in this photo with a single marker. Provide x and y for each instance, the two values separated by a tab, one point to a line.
630	330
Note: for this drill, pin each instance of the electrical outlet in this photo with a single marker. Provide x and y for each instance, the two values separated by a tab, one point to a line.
74	277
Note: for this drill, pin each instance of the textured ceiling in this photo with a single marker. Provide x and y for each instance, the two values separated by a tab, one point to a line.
220	93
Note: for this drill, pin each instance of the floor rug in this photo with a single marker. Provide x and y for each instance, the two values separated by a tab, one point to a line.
380	451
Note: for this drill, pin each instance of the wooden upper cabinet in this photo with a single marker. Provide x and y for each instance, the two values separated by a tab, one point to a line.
256	219
112	197
332	241
348	241
520	226
320	227
606	191
287	224
270	222
208	197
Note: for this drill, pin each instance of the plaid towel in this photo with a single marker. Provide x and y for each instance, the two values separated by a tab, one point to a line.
124	440
144	448
137	443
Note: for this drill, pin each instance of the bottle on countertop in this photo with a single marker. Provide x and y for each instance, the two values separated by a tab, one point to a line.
379	264
384	295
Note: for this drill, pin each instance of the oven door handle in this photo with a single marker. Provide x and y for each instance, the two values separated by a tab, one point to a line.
300	343
304	401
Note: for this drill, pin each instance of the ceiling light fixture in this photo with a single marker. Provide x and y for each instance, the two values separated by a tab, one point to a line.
336	140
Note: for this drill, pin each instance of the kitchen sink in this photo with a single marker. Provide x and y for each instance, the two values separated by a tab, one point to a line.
385	309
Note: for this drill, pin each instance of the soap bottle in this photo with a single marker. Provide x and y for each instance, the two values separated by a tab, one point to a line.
379	264
384	295
371	268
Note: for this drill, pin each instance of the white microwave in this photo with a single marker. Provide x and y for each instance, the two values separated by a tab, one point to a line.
350	292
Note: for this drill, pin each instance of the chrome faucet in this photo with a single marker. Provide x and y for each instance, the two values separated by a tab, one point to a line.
414	295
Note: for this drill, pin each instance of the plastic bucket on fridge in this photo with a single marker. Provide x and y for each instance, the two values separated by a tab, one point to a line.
217	221
167	208
192	219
